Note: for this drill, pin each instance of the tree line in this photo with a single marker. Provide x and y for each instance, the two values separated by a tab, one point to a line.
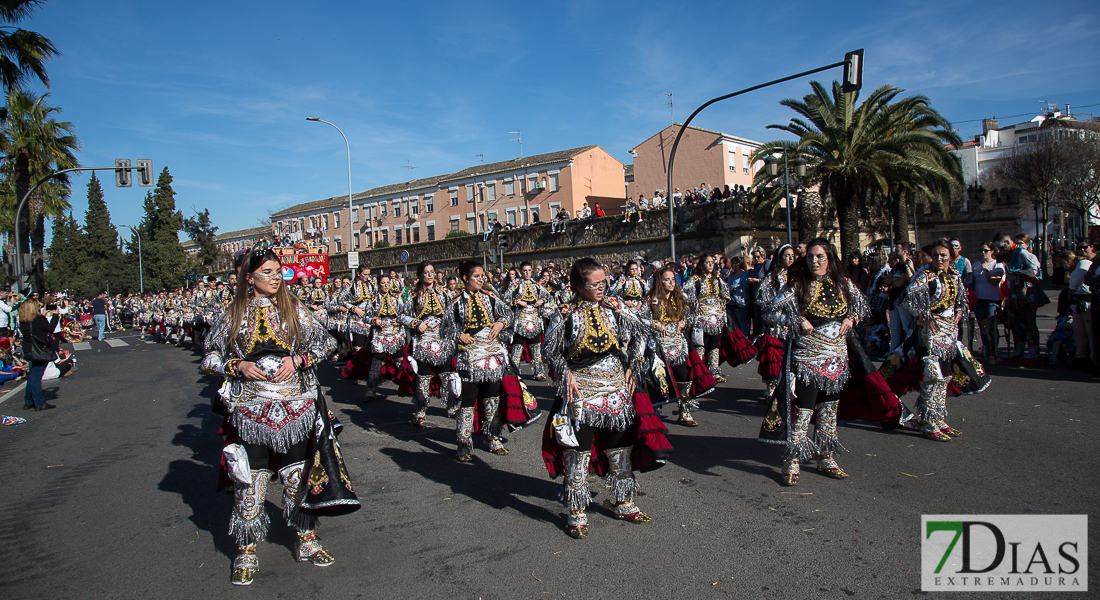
83	258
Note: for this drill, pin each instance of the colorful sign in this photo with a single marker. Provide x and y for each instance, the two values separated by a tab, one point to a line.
404	256
309	266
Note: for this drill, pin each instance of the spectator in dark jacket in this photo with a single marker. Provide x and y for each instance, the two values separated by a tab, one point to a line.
37	349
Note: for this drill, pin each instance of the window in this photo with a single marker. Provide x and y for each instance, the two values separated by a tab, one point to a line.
356	240
326	221
454	223
509	187
554	207
302	224
414	206
386	235
338	243
470	192
554	182
397	212
454	196
382	210
336	220
416	233
491	192
431	231
397	234
471	223
481	218
428	206
511	216
533	184
523	185
492	216
355	215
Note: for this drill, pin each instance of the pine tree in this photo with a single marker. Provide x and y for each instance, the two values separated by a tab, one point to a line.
164	258
66	254
100	236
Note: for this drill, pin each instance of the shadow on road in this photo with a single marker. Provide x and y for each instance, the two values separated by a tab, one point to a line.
477	481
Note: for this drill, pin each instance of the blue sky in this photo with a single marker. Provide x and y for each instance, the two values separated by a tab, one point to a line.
219	91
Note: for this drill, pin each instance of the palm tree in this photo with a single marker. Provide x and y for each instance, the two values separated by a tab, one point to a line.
36	144
22	53
854	152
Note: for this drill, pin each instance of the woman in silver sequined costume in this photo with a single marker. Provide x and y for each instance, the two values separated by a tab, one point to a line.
595	349
813	311
669	311
771	343
483	328
431	326
387	335
710	293
530	304
936	298
266	345
631	289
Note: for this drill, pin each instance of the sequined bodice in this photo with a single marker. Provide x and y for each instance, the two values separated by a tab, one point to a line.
826	301
597	337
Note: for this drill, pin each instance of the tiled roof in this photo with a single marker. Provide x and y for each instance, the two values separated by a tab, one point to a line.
524	162
677	125
628	170
249	233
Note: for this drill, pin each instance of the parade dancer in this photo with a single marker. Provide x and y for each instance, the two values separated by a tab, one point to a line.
936	298
670	312
353	299
482	323
431	325
596	352
814	310
386	339
770	346
710	332
631	289
530	302
266	346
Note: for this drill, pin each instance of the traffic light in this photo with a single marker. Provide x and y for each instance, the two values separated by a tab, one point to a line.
502	241
145	172
853	71
122	172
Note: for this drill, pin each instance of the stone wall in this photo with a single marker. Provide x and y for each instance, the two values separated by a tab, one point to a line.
708	227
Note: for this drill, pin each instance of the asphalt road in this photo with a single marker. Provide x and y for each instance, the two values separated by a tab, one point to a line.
112	495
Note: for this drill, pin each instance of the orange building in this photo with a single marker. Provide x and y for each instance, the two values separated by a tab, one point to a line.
512	192
703	157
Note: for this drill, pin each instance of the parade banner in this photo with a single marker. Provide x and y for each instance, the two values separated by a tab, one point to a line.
309	266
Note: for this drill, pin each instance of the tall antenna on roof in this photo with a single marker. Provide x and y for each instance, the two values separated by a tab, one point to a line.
481	156
409	164
671	110
519	138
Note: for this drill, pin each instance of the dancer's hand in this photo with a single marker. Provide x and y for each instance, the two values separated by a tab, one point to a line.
251	371
284	371
495	331
572	390
846	326
806	326
423	326
466	339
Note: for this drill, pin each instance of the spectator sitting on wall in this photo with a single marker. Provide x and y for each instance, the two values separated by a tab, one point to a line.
558	225
599	211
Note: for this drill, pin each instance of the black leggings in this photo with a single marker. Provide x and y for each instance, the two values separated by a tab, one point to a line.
259	456
808	396
612	438
358	339
472	390
711	342
424	369
681	372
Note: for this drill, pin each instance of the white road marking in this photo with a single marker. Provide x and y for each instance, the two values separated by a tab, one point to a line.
116	343
82	346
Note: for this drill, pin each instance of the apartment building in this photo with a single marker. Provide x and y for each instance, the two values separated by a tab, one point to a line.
703	156
517	192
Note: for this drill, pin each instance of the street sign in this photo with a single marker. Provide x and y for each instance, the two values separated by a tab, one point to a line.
353	260
404	256
853	71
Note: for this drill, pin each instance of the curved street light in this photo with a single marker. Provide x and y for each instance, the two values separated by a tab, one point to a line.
351	228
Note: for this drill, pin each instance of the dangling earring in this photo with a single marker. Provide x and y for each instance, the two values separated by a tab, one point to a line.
251	290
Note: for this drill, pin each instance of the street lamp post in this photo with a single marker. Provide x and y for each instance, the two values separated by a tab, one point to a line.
351	227
853	81
141	274
773	170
